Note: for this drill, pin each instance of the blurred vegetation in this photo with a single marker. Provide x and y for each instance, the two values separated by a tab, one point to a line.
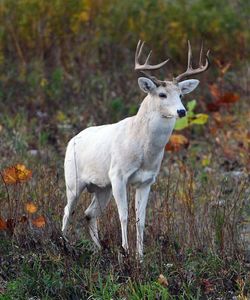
80	52
65	65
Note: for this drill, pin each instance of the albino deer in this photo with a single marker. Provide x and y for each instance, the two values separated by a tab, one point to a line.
106	159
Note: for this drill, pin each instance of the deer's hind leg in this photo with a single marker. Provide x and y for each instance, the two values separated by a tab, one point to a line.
98	204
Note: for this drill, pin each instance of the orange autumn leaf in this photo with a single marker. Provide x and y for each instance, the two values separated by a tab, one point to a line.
220	98
229	98
176	142
16	174
39	222
3	224
30	207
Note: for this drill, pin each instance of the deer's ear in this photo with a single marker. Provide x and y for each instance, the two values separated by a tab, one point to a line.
146	85
187	86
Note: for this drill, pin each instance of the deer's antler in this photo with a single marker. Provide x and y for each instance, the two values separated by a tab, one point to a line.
190	70
146	66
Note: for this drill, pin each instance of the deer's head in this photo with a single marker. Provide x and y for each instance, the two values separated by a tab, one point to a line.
166	94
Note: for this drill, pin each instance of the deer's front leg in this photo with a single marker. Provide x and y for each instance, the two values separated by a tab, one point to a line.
141	200
120	195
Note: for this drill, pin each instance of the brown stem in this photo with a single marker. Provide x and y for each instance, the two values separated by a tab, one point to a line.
17	45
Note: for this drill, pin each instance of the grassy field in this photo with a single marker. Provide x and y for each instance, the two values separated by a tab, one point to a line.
60	72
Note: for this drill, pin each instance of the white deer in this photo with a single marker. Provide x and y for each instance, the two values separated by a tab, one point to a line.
106	159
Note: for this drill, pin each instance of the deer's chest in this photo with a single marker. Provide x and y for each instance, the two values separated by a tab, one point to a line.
148	171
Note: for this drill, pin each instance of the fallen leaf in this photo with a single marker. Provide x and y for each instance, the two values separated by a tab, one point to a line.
30	207
162	280
176	142
16	174
3	224
39	222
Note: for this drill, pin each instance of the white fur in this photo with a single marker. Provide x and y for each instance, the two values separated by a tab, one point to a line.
106	159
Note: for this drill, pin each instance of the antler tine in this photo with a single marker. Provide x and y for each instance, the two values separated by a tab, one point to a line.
207	64
189	64
201	52
201	68
147	59
146	65
138	51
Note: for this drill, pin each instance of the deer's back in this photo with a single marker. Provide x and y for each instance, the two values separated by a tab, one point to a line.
93	150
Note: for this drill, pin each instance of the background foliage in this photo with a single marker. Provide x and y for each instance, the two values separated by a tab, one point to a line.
80	52
65	65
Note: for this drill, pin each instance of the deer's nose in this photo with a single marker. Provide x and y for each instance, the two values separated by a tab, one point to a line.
181	113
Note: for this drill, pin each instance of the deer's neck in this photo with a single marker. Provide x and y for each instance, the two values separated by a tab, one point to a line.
150	127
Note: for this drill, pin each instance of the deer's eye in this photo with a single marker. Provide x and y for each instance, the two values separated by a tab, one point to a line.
181	95
162	95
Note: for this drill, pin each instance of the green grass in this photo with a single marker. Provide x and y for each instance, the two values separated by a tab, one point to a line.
69	276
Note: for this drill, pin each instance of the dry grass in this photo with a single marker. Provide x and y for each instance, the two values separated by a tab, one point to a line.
192	233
